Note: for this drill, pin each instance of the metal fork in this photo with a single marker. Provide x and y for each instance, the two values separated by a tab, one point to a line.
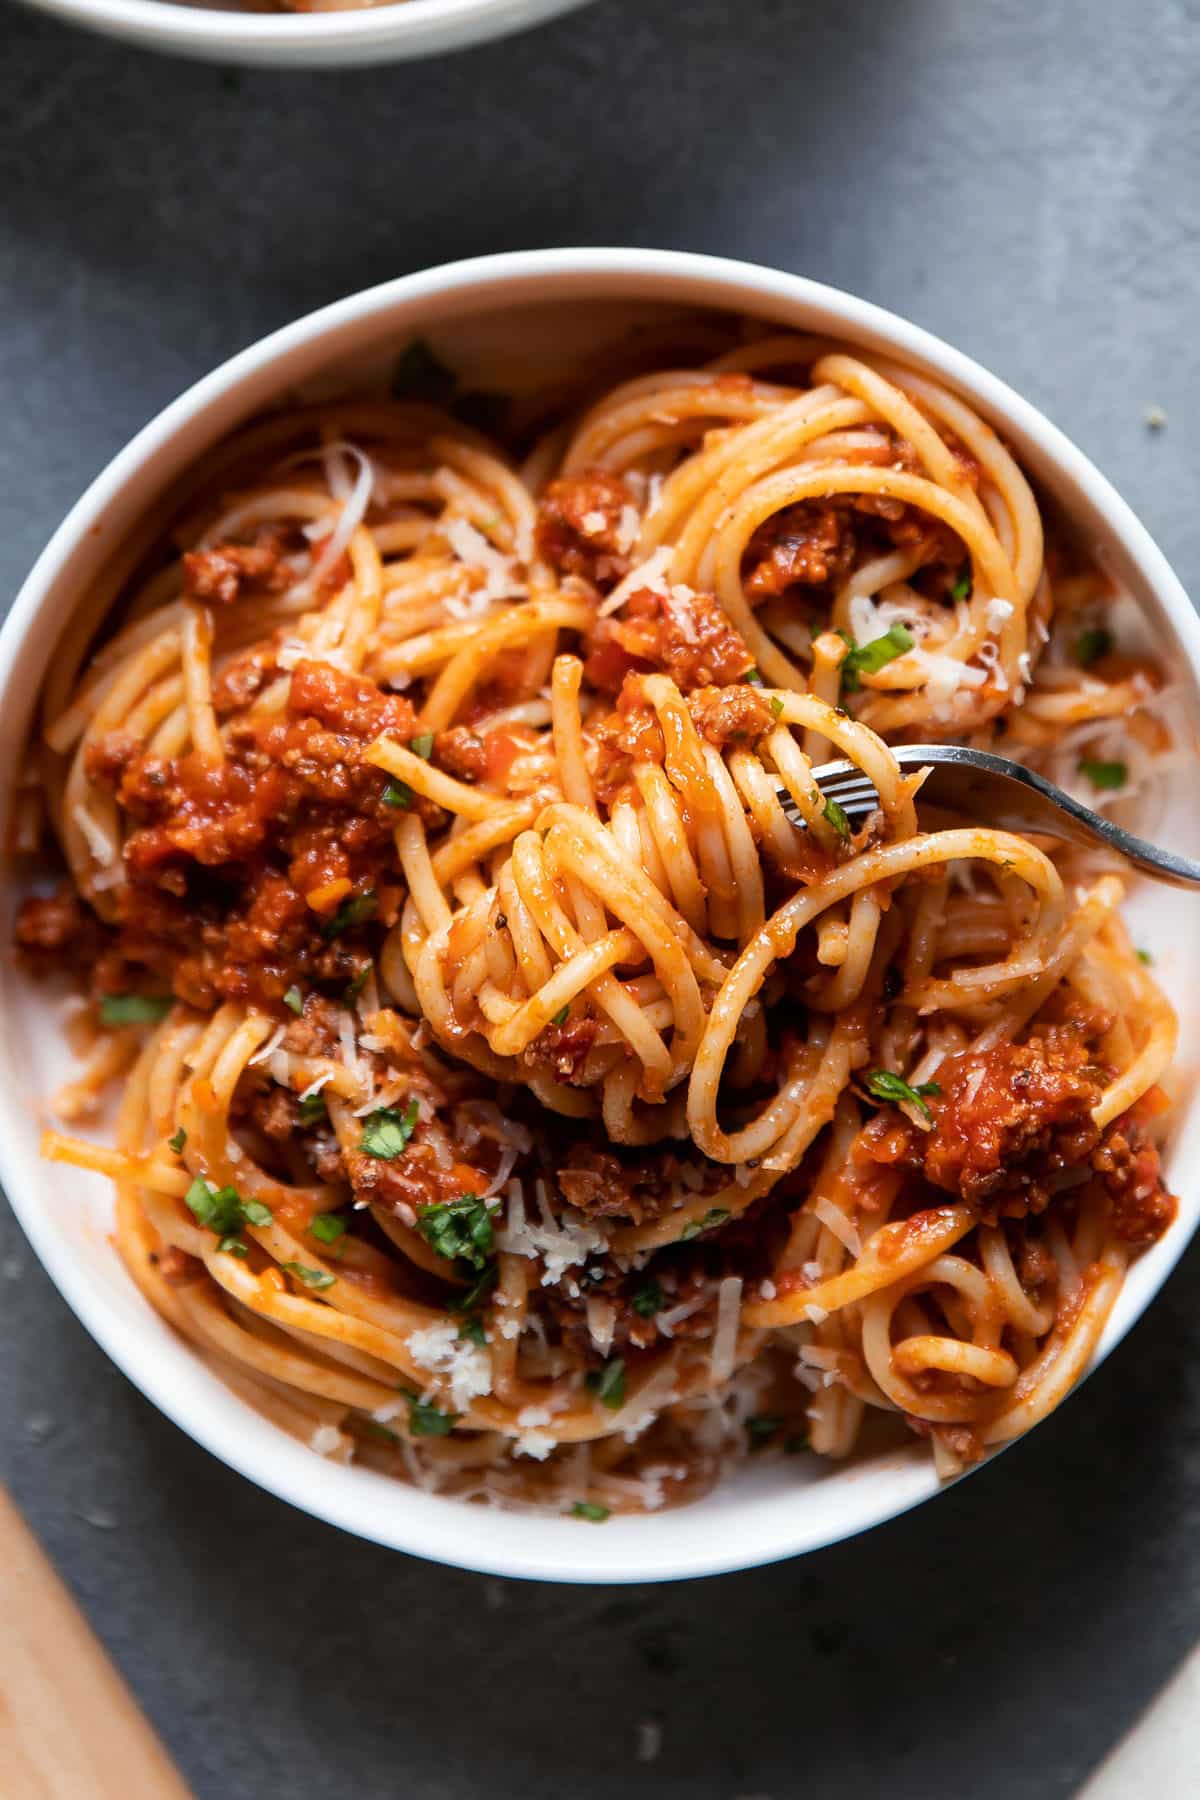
1001	793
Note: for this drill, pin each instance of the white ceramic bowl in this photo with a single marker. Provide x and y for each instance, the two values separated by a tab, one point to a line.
537	305
323	40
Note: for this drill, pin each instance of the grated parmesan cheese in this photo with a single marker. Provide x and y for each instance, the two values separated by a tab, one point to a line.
537	1444
650	574
729	1310
466	1367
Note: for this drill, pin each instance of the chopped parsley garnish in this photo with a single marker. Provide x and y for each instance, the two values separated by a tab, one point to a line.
458	1228
560	1017
836	817
776	705
761	1428
962	586
885	1086
313	1110
134	1009
608	1383
1091	644
648	1300
372	1428
1104	775
177	1142
420	375
427	1420
386	1132
471	1330
397	793
224	1212
482	1284
312	1278
354	911
868	659
1144	956
753	677
422	745
295	999
218	1208
327	1228
354	988
797	1441
716	1215
590	1509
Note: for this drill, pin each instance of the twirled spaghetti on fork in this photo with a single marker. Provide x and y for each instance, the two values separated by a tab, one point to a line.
513	1092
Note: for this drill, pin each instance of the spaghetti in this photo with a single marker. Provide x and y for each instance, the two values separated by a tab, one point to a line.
529	1083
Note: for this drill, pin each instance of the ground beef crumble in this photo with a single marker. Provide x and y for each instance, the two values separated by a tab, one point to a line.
584	525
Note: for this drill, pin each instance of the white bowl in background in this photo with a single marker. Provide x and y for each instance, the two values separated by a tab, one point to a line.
531	307
396	32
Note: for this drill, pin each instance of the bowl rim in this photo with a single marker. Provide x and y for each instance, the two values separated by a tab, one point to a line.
419	27
626	1551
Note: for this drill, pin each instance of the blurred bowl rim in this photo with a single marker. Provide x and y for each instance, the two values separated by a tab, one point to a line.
397	30
665	1546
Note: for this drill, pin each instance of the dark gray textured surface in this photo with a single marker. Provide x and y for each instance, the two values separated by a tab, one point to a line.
1023	177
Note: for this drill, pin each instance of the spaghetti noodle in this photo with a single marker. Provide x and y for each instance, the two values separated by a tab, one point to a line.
529	1083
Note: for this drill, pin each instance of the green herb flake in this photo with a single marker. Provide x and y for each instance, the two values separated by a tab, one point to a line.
177	1142
760	1429
561	1016
795	1442
427	1420
962	587
354	911
327	1228
716	1215
471	1331
134	1009
868	659
422	745
220	1209
458	1228
372	1428
776	706
313	1110
608	1383
311	1278
295	999
234	1245
1091	644
753	677
255	1213
648	1300
590	1509
835	815
482	1285
420	375
386	1132
883	1085
398	794
1104	775
1144	956
354	988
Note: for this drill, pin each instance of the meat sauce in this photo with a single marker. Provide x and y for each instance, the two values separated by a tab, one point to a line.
1013	1123
586	525
688	637
252	874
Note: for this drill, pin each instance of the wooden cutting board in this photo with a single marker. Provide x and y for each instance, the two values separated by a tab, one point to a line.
69	1727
